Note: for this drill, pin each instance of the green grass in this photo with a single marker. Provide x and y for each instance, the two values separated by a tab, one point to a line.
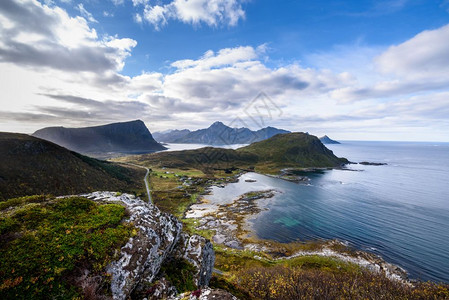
190	226
23	200
45	245
180	273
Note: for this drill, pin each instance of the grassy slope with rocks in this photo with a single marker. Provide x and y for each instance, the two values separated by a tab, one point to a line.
47	244
29	166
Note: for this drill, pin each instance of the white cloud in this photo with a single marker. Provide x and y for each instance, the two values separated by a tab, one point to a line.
156	15
61	42
230	78
118	2
140	2
108	14
425	56
418	65
210	12
138	19
87	15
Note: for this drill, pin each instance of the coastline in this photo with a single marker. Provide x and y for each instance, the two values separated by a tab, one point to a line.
230	227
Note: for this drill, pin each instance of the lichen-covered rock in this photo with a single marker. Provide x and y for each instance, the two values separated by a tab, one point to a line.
198	251
141	258
205	294
161	289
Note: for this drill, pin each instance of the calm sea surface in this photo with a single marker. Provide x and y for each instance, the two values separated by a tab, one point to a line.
400	211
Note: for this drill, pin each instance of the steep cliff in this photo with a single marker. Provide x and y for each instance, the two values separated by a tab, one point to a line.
126	137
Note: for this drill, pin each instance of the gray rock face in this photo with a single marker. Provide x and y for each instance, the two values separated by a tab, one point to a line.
198	251
141	258
159	237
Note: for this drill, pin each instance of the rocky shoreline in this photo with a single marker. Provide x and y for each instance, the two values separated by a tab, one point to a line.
231	229
229	220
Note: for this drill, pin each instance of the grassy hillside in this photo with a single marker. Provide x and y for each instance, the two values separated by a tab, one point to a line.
291	150
295	150
30	166
47	246
205	159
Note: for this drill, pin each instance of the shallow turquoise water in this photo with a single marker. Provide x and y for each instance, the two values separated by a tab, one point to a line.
400	211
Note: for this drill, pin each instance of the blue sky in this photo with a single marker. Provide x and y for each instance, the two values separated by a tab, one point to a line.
292	29
368	70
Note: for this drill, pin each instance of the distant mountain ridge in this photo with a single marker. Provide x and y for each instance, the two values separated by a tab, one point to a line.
327	140
218	134
126	137
169	136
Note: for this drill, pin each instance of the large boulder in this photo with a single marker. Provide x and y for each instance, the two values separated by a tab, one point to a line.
198	251
141	258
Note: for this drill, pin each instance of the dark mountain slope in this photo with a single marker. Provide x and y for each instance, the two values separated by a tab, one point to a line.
127	137
29	165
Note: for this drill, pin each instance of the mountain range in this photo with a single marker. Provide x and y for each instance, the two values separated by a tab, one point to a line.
217	134
125	137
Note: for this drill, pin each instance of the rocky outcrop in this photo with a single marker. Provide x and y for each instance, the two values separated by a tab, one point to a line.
141	258
367	163
198	251
206	294
158	237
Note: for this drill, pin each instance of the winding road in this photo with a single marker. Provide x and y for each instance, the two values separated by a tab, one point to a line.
147	185
145	179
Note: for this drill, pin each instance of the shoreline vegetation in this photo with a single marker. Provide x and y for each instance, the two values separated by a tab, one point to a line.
247	266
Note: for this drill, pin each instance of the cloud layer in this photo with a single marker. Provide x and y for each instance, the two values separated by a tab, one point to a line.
61	72
195	12
35	35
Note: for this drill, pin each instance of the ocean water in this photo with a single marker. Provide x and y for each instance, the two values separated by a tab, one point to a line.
399	211
178	147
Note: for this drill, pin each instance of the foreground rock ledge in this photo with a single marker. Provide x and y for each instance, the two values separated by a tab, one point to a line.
158	238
